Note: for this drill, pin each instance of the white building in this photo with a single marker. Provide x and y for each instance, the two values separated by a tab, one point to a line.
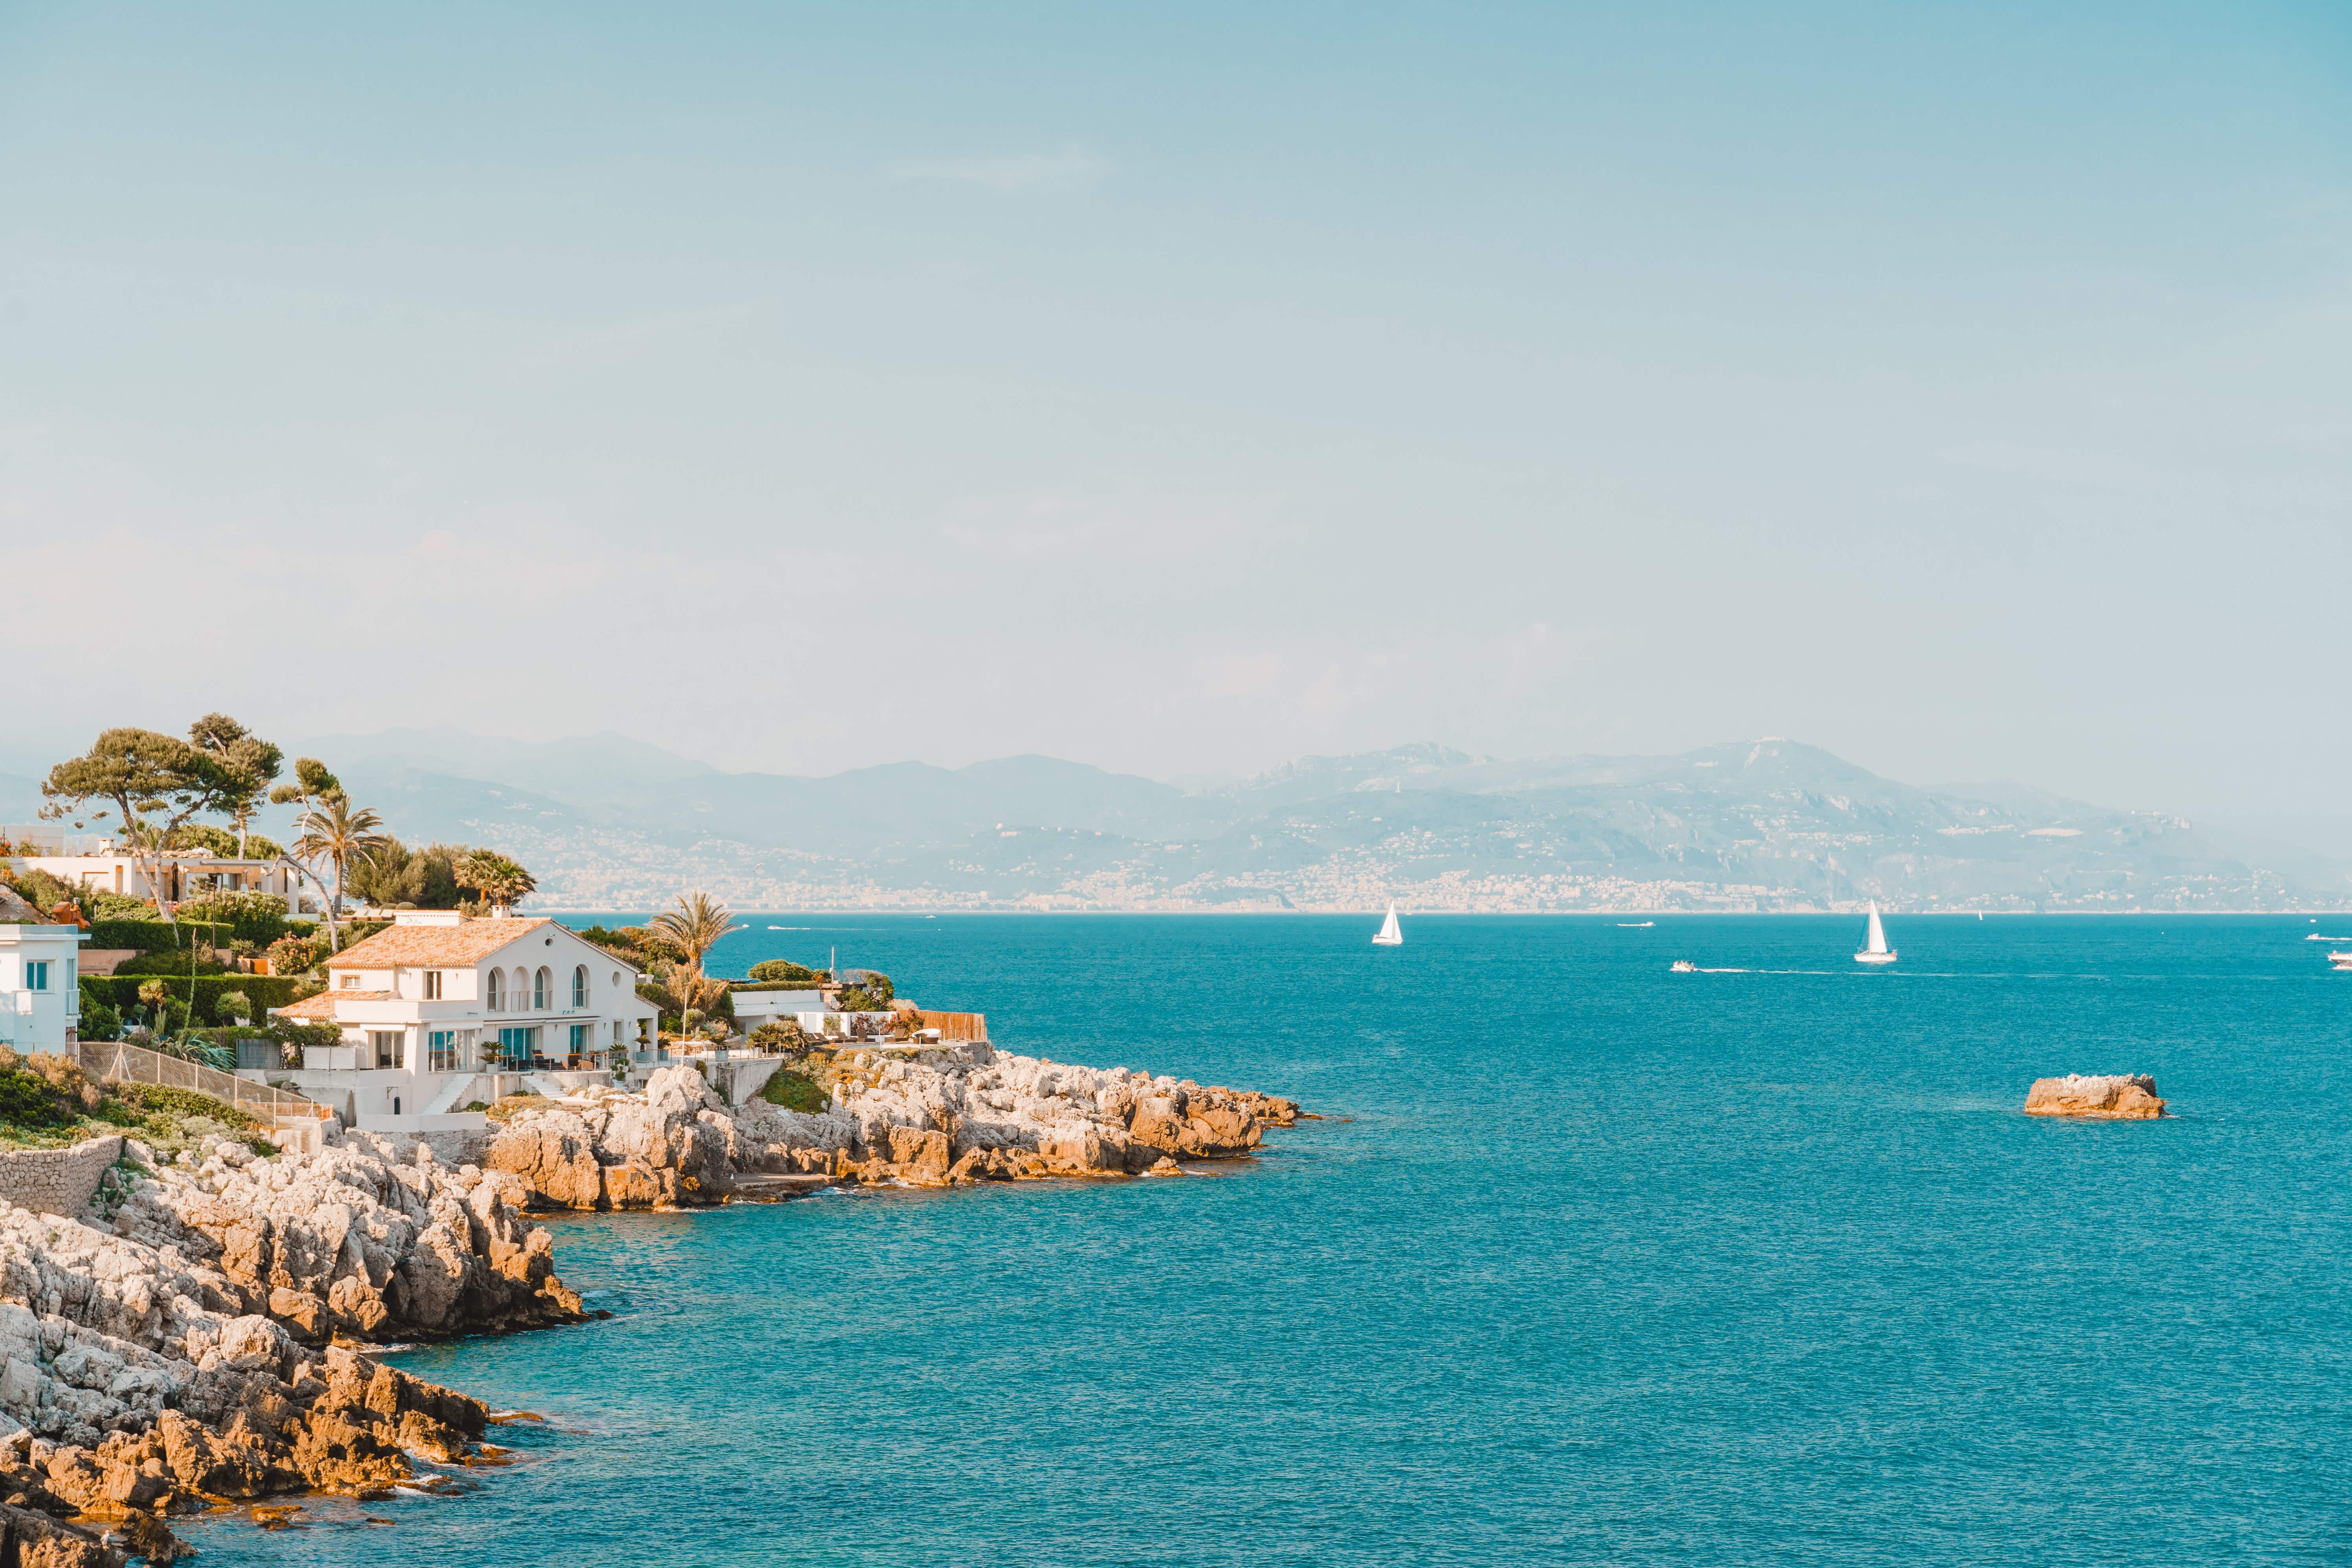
40	994
442	1010
88	861
753	1008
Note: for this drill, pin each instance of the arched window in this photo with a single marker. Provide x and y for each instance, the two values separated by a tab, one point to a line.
497	998
519	991
579	986
541	984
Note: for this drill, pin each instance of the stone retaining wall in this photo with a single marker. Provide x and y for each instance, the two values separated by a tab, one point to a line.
57	1181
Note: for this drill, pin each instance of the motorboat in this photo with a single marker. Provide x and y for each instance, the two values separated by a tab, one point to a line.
1685	966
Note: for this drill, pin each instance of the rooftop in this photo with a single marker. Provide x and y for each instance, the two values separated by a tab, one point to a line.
407	945
322	1006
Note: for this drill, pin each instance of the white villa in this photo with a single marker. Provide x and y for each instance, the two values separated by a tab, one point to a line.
40	995
89	860
443	1010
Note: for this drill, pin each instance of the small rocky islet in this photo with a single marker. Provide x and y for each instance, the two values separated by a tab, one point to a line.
2103	1097
199	1338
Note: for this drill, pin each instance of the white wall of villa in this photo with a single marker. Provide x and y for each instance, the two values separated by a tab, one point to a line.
443	1010
41	993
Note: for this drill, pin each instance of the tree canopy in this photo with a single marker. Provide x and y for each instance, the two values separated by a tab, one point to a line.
154	783
247	759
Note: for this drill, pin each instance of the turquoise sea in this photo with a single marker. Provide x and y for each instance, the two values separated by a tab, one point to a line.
1591	1263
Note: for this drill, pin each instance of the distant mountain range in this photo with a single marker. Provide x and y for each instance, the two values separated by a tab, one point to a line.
612	823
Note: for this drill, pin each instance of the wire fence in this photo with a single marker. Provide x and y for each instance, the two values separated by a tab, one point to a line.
119	1061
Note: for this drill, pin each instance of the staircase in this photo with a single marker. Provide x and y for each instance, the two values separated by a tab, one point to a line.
461	1090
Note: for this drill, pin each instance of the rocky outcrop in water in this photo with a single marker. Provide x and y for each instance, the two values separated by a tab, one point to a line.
2115	1097
171	1353
958	1113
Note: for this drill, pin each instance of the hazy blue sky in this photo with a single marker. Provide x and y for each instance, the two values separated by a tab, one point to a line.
1966	389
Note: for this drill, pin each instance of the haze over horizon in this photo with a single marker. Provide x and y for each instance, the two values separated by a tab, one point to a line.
1958	391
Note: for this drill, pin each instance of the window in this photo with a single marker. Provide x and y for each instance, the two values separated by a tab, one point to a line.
518	1045
521	990
351	981
387	1047
618	1039
580	1044
37	975
541	984
449	1050
432	985
579	986
495	1002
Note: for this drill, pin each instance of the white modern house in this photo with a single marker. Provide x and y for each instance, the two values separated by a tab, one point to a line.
40	994
753	1008
443	1010
88	860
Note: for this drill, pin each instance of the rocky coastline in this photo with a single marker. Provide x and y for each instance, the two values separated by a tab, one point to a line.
198	1338
943	1116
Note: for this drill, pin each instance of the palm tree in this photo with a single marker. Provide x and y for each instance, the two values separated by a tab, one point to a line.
339	833
499	881
694	928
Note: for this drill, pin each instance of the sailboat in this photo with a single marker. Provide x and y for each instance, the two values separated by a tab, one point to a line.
1388	935
1876	951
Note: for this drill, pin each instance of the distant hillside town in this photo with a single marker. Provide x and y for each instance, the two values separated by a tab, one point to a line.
1770	825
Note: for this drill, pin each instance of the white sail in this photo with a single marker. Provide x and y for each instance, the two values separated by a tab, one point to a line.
1389	936
1876	951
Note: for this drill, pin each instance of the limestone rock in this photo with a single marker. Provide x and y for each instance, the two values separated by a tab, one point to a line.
953	1115
2117	1098
153	1364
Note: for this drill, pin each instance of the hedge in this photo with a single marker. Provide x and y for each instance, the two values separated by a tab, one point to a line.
265	991
153	936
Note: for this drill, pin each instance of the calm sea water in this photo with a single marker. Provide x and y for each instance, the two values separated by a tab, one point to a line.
1593	1263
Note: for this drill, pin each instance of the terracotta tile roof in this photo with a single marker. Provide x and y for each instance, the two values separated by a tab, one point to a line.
322	1006
451	947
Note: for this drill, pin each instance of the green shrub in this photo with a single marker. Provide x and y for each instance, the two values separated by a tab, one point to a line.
233	1004
258	918
99	1021
156	1100
294	955
121	994
777	1035
28	1099
105	904
795	1092
790	975
858	999
46	892
155	935
167	962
